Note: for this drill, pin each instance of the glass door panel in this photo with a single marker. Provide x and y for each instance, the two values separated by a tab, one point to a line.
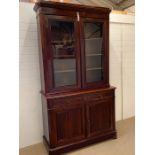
64	54
93	51
64	72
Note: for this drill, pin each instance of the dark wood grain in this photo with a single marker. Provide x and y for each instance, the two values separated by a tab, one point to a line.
84	113
100	110
69	6
69	124
83	143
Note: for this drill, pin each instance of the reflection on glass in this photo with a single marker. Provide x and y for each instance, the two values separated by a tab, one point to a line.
63	48
93	51
94	75
62	39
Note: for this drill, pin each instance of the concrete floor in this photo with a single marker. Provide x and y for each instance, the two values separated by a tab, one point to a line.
123	145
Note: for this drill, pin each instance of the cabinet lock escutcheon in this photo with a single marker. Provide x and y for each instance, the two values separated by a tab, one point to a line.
78	16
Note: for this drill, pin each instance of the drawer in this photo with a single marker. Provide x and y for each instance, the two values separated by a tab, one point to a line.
64	102
98	96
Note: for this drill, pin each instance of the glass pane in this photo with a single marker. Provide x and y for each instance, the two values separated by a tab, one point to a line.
93	51
64	72
94	75
63	48
62	39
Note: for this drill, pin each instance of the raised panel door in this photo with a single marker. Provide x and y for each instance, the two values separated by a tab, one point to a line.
100	117
68	123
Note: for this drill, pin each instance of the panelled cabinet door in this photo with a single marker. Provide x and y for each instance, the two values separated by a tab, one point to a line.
64	52
100	117
68	124
94	52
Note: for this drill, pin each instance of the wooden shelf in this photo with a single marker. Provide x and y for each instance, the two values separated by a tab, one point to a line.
89	55
64	57
99	38
65	71
61	42
95	68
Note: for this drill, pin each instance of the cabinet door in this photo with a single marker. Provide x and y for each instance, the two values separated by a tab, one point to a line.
68	124
95	58
64	52
100	117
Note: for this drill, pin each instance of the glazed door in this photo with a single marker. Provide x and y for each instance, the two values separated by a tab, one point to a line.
100	117
64	62
94	52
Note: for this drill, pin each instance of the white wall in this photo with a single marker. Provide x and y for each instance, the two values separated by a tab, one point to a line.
128	73
115	65
30	122
121	71
122	63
